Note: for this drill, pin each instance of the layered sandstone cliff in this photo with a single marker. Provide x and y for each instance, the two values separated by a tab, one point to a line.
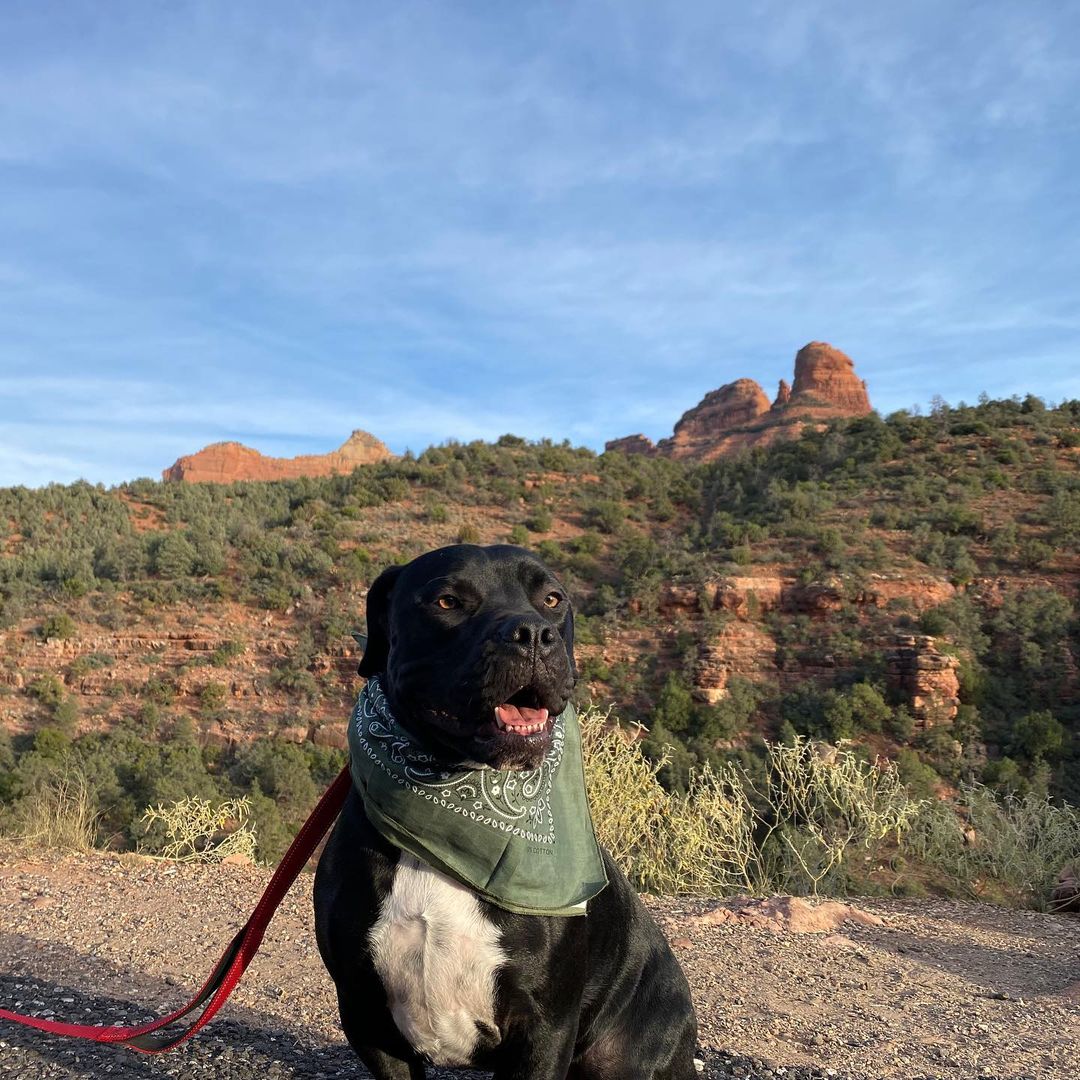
226	462
739	415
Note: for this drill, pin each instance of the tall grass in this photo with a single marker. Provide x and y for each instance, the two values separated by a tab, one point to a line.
699	843
809	822
794	831
812	824
60	813
1017	844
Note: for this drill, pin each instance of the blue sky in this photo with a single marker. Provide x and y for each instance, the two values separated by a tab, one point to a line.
276	222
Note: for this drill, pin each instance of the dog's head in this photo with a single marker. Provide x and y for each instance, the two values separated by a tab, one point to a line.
475	646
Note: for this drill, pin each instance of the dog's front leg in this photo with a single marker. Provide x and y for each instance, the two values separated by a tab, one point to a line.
546	1056
383	1066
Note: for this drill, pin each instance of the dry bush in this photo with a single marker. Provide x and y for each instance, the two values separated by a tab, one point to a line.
824	803
197	830
1020	842
60	813
792	832
700	843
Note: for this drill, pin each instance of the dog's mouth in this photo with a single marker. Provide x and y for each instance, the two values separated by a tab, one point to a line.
522	713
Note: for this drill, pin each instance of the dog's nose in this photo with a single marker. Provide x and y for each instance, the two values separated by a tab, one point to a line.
531	634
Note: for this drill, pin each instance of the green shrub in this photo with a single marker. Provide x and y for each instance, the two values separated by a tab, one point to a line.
66	713
159	689
175	556
48	689
60	626
1039	735
540	520
224	654
468	534
607	515
212	696
89	662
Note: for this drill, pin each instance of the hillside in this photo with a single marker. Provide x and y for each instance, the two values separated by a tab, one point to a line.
907	583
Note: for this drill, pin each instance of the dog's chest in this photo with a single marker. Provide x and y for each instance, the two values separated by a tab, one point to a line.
437	956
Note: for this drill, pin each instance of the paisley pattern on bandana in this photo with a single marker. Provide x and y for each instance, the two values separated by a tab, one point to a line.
515	802
522	839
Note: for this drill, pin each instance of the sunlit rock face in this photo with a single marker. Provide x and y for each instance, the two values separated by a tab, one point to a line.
226	462
739	415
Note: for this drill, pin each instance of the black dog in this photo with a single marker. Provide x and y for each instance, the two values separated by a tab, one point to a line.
474	649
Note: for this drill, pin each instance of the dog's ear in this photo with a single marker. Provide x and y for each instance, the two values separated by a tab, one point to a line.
568	637
377	650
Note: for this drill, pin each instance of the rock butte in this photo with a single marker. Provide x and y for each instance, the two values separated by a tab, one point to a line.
739	415
226	462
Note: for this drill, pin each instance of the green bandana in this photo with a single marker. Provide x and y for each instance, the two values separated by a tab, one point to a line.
523	840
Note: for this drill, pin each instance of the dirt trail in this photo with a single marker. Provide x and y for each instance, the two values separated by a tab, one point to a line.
941	989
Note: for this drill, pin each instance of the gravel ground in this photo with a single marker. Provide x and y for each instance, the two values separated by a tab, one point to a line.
942	990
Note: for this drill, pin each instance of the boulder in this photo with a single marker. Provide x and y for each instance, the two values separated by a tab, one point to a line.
786	914
1065	895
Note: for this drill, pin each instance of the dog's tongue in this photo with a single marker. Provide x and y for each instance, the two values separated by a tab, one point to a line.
516	716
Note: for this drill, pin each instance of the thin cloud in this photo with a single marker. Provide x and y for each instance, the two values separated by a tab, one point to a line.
283	223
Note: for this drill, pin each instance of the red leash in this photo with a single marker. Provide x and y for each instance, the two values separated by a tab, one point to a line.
237	956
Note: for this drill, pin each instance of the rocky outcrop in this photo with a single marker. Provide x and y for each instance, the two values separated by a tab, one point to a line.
738	415
926	679
732	406
226	462
740	648
824	375
632	444
746	597
785	915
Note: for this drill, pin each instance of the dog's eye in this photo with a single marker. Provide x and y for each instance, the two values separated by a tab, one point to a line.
448	602
552	600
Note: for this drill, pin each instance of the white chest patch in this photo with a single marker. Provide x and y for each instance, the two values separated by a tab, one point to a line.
437	957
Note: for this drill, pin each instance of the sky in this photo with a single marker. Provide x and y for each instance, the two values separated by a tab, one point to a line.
277	222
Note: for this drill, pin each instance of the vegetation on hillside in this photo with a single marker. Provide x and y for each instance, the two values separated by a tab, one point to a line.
985	497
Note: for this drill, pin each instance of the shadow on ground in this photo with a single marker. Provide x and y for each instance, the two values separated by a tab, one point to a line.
240	1044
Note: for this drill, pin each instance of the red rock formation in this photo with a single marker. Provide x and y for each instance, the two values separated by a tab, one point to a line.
732	406
826	375
740	648
739	415
747	596
632	444
225	462
926	677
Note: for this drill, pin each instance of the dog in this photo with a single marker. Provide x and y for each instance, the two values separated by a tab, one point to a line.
474	650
